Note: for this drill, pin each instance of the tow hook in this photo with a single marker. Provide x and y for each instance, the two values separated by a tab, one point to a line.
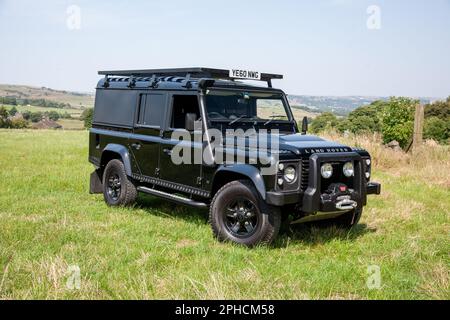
345	203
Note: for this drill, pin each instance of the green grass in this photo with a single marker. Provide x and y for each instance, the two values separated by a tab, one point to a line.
71	124
49	221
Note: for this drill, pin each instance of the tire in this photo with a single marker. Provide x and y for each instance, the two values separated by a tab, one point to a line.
118	190
238	214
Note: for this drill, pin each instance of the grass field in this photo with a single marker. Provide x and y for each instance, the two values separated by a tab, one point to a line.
49	223
71	124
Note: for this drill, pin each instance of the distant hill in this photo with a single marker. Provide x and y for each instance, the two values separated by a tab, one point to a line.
76	100
338	105
302	105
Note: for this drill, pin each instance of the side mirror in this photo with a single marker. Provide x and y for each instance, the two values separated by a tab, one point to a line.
305	125
190	121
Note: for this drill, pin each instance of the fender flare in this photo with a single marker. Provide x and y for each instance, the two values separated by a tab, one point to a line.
122	152
249	171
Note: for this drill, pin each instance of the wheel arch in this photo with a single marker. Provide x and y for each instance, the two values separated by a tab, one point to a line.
116	151
227	174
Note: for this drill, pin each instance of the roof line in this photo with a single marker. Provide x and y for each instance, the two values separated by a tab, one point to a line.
196	71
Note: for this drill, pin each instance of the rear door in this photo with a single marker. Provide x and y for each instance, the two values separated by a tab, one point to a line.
145	143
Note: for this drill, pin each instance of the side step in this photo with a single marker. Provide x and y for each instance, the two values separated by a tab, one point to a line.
174	198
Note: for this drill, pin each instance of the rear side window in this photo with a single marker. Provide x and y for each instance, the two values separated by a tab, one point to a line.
151	109
115	107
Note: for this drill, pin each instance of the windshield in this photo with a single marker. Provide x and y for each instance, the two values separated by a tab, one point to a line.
242	106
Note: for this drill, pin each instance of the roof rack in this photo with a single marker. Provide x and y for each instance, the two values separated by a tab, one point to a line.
195	73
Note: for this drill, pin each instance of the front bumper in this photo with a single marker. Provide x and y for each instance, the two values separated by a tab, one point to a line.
314	200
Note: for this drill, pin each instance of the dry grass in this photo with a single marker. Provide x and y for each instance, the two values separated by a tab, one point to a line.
430	164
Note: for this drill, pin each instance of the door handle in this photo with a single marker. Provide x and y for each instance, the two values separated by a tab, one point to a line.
168	151
136	146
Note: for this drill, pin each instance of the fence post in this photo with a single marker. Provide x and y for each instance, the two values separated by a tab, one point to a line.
418	126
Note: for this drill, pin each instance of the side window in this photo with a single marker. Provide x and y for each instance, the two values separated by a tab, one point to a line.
184	107
151	109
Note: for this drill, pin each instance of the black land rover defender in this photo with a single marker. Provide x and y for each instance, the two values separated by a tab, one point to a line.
140	115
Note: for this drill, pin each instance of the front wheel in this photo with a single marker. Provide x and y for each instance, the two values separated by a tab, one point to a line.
238	214
118	190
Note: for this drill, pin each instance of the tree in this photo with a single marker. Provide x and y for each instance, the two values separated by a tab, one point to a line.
53	115
3	113
87	116
26	115
326	120
18	123
13	111
398	120
366	118
3	117
440	109
36	116
437	121
437	129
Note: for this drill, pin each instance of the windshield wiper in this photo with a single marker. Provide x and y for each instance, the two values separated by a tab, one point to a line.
273	118
239	119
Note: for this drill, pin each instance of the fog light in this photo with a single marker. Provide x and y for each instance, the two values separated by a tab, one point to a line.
281	167
368	162
280	182
326	170
367	175
348	169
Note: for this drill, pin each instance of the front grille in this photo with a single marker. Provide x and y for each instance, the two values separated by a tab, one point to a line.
305	174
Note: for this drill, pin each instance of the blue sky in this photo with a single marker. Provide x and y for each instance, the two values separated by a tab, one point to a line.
322	47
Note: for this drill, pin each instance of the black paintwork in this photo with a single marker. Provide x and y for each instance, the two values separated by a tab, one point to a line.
118	132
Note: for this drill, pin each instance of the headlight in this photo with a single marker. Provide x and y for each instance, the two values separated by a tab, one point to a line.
368	162
348	169
290	174
326	170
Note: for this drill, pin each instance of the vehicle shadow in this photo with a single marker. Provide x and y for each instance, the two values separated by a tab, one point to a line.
163	208
316	234
309	233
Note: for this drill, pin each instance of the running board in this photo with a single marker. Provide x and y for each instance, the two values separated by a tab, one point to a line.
173	197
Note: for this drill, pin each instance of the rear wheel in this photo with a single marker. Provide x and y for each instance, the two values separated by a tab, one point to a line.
118	190
238	214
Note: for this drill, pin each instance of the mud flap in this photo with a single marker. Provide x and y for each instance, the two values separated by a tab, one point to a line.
96	185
